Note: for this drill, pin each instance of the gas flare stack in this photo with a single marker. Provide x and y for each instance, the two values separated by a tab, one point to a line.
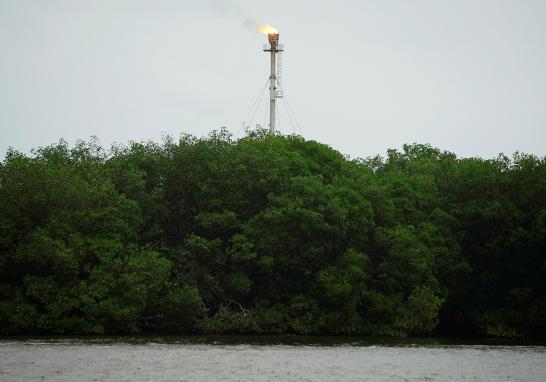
275	49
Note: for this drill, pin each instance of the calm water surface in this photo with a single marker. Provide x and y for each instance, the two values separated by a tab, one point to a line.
267	359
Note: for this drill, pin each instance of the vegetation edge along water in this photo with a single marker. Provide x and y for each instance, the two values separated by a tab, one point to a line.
270	234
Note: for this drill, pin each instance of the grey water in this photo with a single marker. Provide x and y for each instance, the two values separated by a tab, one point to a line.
270	358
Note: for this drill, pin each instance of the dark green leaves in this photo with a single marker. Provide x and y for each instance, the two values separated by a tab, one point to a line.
270	234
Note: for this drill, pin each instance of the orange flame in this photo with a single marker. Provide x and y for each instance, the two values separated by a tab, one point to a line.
267	29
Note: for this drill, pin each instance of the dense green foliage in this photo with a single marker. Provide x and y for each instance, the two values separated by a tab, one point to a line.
270	234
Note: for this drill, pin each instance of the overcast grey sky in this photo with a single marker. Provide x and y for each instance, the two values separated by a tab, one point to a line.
467	76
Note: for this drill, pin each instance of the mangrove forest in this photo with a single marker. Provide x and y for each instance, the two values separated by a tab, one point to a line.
270	234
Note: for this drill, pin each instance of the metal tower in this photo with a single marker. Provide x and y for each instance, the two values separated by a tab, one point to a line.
275	49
